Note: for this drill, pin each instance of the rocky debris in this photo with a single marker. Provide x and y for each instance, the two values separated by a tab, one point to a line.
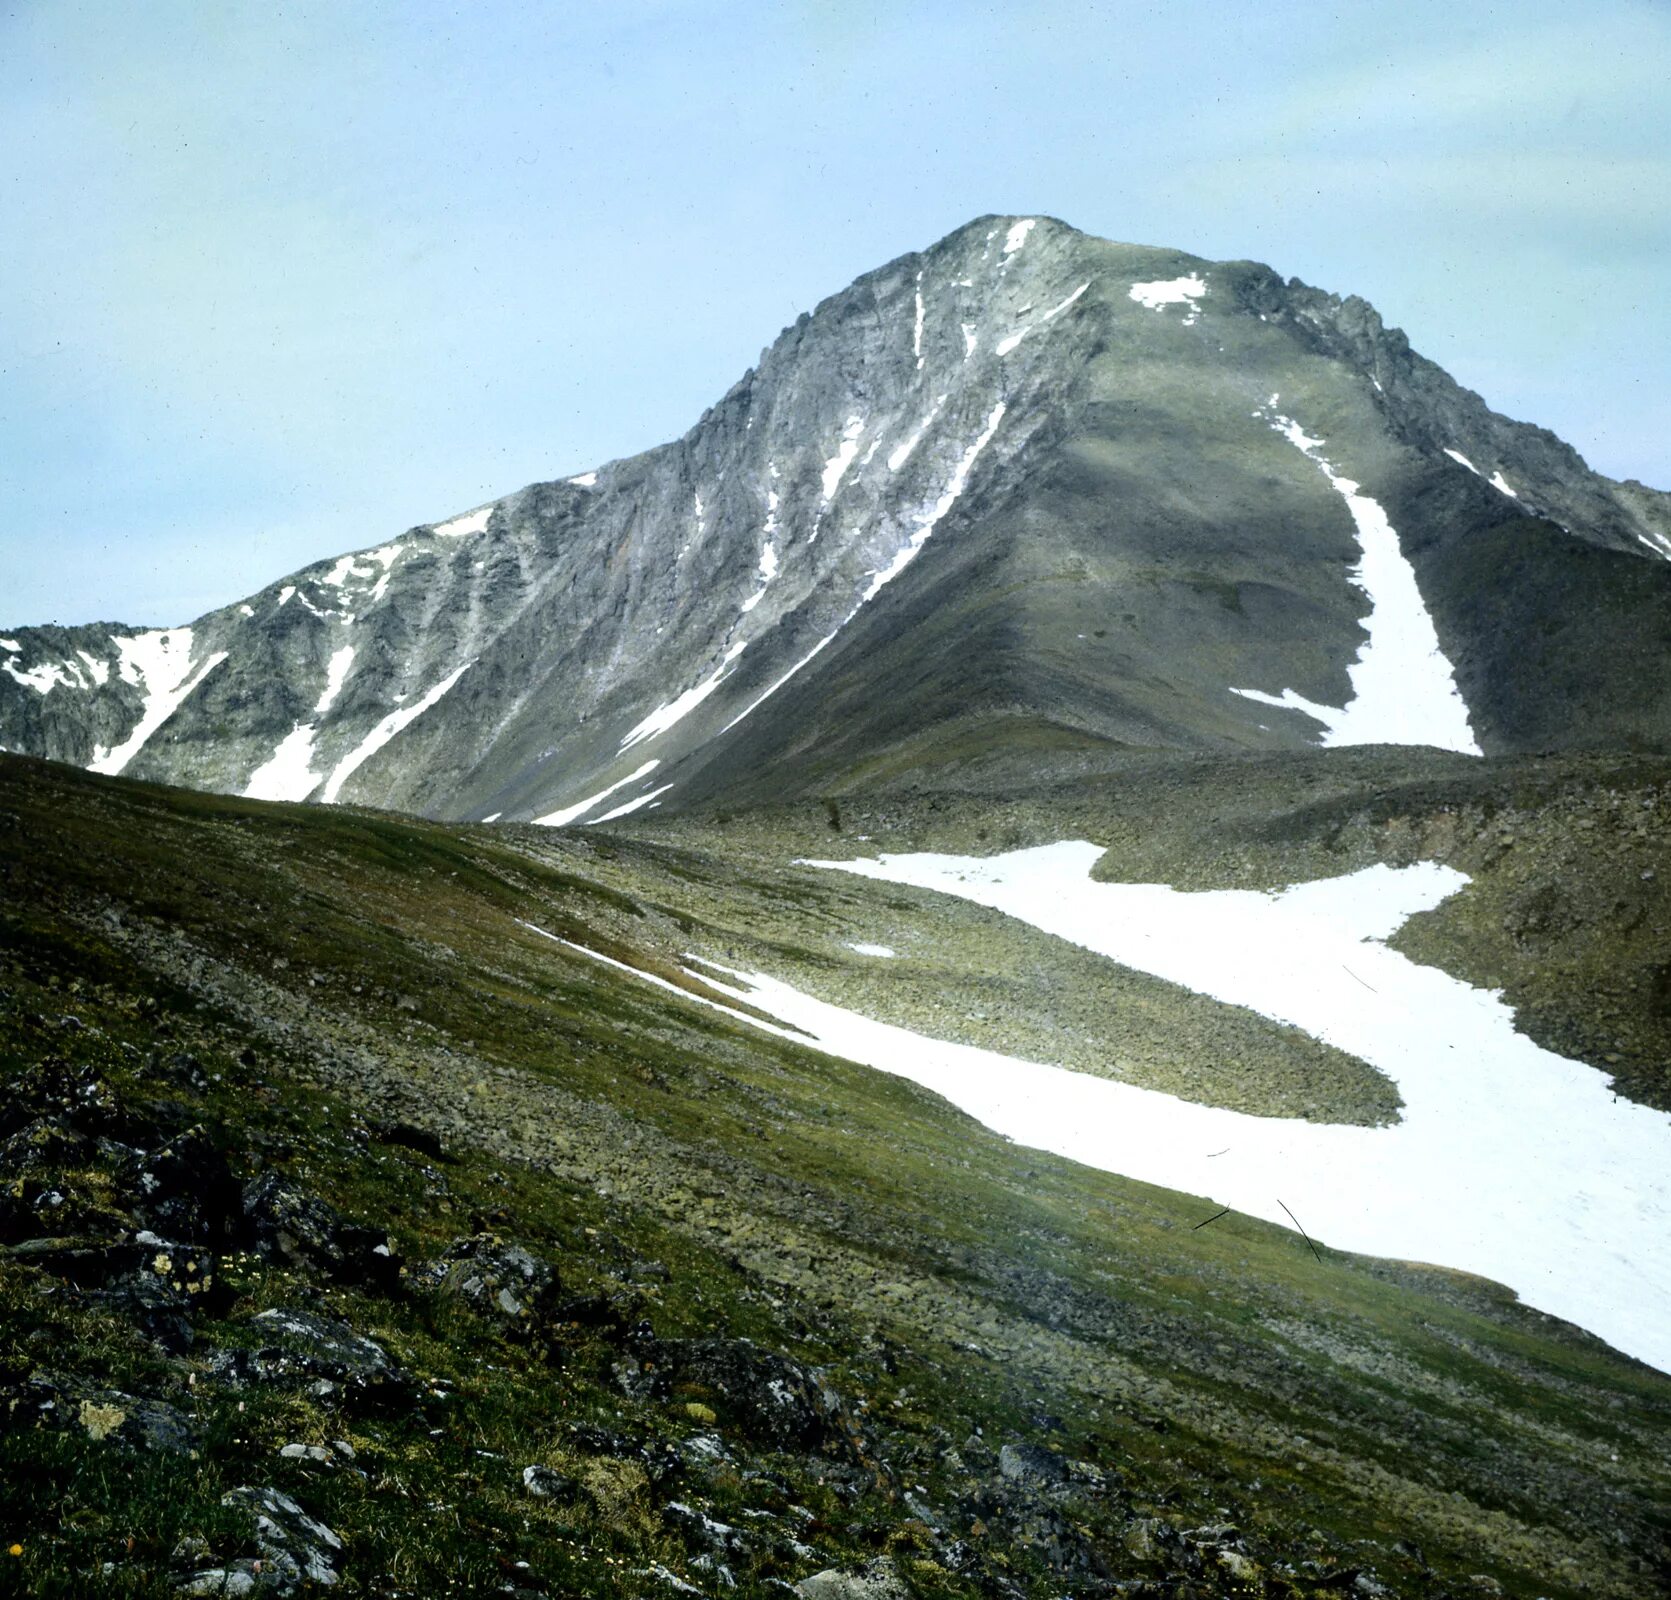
107	1416
769	1395
302	1231
301	1345
673	1581
660	1461
1032	1465
410	1137
294	1551
152	1284
77	1096
879	1580
500	1280
703	1531
546	1483
183	1190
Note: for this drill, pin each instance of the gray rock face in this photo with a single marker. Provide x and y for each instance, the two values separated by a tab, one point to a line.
1025	485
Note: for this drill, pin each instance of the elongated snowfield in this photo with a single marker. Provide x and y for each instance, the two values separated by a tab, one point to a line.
158	663
1509	1161
385	731
1403	689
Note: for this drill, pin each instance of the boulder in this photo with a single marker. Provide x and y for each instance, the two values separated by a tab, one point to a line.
302	1345
183	1190
772	1396
296	1551
502	1281
302	1231
1032	1466
877	1581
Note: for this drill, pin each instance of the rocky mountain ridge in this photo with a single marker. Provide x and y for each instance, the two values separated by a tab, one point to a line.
1027	478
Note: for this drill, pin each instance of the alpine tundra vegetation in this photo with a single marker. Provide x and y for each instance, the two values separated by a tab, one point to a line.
1035	962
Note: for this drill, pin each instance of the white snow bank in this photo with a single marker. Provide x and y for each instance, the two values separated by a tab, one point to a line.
159	664
385	731
665	716
900	454
760	700
881	951
336	674
10	644
630	806
837	465
561	818
458	527
917	327
586	480
288	773
1017	236
1062	305
1013	341
1169	292
42	678
1509	1161
1496	480
1403	691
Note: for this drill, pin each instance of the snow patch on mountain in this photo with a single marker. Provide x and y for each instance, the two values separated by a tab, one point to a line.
158	663
567	814
836	467
385	731
675	711
288	773
1403	689
1163	292
928	523
900	454
631	806
925	526
42	678
462	526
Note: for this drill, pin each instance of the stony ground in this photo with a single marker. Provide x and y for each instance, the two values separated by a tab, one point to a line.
355	1236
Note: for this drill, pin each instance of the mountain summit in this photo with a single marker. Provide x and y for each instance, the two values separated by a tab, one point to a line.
1028	490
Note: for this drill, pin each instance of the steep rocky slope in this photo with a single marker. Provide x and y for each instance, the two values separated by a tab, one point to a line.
1026	487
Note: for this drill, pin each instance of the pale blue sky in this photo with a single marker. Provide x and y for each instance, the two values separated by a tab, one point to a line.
283	281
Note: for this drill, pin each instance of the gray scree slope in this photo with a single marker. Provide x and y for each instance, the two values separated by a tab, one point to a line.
1025	486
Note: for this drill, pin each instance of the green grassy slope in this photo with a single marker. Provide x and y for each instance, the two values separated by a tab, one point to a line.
349	1002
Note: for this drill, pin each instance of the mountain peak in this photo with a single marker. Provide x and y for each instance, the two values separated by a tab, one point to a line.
1023	479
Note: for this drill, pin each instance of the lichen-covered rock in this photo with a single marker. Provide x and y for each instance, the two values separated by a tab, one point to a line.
501	1280
296	1551
300	1345
768	1394
301	1230
878	1581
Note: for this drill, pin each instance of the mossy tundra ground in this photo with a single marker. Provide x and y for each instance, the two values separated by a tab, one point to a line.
602	1293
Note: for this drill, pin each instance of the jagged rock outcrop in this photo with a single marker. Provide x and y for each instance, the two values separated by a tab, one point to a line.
1025	486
